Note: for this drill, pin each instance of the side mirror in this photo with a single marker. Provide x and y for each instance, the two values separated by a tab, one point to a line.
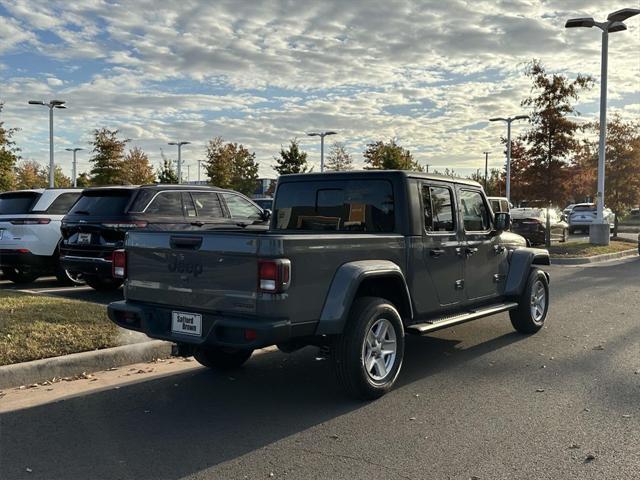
502	221
266	214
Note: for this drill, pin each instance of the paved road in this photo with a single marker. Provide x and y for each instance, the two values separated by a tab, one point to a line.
469	404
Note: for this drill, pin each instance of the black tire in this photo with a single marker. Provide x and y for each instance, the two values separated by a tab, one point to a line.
20	275
349	349
523	318
221	358
103	284
65	277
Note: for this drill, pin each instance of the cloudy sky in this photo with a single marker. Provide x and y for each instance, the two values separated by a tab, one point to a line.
428	73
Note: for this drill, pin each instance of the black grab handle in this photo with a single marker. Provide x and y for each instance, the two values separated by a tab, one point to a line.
192	243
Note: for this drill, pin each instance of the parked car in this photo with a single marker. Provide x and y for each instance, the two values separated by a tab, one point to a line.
265	203
352	261
97	224
531	223
584	214
499	204
30	233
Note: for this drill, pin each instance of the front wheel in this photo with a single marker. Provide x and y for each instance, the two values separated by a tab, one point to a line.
103	284
367	356
221	358
532	309
20	275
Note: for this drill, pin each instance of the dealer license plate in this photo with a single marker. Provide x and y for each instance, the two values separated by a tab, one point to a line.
186	323
84	238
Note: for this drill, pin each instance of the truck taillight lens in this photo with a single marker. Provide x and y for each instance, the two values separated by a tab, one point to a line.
274	276
119	264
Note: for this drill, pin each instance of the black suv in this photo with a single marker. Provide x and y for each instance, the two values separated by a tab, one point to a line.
98	222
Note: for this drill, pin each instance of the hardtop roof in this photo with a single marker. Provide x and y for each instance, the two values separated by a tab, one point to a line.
378	174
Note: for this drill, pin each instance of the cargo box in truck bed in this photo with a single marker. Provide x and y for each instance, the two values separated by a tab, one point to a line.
351	261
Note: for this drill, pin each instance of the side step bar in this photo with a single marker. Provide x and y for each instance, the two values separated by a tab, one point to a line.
449	321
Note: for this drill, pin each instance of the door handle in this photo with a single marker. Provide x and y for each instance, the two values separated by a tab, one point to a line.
436	252
191	243
197	224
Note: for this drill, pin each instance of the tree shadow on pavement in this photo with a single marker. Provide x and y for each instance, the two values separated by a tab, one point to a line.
181	424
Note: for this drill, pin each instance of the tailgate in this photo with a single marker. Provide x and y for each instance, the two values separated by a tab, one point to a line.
209	271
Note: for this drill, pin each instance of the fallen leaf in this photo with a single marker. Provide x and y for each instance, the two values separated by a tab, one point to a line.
28	470
335	437
539	390
598	347
626	415
412	418
574	445
590	457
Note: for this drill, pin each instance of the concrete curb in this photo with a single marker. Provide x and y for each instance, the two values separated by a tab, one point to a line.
595	259
28	373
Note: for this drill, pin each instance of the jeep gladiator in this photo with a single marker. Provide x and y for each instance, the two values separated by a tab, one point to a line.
351	262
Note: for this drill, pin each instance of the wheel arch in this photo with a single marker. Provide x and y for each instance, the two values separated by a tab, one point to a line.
371	278
520	264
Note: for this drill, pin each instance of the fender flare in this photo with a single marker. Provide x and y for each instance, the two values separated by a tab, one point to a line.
344	287
520	263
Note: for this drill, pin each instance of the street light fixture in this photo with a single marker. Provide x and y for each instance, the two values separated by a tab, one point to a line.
508	120
599	232
75	170
179	144
52	104
321	135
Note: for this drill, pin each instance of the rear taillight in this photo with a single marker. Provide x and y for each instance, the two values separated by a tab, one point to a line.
274	276
119	264
30	221
126	226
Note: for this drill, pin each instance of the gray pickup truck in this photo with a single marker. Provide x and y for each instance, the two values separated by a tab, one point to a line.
351	262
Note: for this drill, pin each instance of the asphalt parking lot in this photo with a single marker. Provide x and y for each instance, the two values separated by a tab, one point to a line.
475	401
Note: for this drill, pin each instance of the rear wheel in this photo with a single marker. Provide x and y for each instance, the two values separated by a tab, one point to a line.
532	310
221	358
20	275
368	355
67	277
103	284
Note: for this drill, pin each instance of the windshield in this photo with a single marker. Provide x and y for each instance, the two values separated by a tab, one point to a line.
584	208
102	203
336	205
21	202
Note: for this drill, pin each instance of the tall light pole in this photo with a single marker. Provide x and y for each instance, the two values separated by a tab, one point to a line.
599	232
321	135
508	120
52	104
75	169
179	144
486	168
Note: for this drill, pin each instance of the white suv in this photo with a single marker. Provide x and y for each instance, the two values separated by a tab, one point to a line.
30	233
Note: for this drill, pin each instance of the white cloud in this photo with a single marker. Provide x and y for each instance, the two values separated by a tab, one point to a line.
427	73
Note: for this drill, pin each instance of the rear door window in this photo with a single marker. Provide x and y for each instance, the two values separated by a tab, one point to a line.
189	206
335	205
63	203
166	204
475	214
16	203
102	203
208	204
439	214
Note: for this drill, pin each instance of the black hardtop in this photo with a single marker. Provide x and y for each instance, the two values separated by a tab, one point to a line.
375	174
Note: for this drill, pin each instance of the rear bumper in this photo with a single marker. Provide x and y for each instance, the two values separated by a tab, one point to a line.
88	266
15	258
216	330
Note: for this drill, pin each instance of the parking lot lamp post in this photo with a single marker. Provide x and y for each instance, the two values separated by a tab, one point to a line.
486	168
74	169
179	144
321	135
599	233
508	120
52	104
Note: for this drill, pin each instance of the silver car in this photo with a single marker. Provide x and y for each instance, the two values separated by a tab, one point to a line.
584	214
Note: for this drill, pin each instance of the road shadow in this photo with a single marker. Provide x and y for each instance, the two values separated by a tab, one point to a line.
51	287
181	424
